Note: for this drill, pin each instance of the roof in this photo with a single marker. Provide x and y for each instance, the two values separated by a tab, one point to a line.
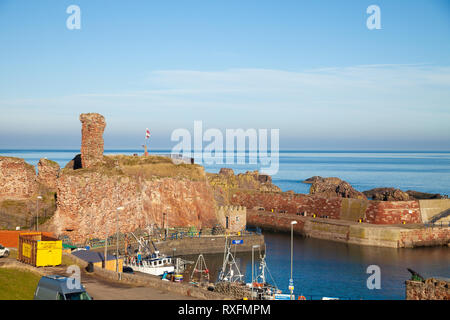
59	282
92	256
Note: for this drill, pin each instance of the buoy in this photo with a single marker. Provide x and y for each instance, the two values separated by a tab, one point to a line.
301	298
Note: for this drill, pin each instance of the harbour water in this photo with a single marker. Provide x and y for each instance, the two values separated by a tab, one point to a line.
324	268
330	269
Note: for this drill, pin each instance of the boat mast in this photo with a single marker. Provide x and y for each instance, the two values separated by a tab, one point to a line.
229	262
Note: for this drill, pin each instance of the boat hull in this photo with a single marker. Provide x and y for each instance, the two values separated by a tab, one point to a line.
156	271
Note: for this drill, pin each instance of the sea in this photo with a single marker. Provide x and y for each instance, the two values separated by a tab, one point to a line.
324	268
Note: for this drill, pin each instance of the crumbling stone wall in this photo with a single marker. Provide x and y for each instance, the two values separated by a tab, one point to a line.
48	172
87	203
93	125
17	179
430	289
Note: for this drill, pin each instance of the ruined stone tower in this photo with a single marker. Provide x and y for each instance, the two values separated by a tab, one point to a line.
93	125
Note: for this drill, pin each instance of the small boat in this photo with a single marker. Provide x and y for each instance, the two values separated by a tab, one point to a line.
260	288
155	264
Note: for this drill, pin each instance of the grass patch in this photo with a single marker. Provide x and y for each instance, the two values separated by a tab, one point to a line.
17	284
143	167
166	170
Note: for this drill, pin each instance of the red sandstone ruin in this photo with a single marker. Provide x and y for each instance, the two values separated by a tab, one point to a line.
93	125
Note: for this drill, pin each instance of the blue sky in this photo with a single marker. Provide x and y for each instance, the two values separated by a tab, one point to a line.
309	68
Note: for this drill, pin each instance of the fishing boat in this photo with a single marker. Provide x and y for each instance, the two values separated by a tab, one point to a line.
154	264
230	271
260	288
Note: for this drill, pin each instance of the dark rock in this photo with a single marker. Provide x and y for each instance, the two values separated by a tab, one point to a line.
334	187
423	195
313	179
387	194
264	178
393	194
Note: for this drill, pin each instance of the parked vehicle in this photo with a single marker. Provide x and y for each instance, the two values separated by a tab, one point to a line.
4	252
56	288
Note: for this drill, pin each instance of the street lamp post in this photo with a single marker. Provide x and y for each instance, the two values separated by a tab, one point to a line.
291	281
176	262
106	244
37	212
117	236
253	268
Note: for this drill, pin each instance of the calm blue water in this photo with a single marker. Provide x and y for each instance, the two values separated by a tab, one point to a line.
325	268
330	269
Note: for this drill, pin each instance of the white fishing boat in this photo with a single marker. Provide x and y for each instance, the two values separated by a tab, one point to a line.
230	271
155	264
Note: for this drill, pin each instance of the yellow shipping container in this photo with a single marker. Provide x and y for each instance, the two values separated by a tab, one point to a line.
39	250
49	253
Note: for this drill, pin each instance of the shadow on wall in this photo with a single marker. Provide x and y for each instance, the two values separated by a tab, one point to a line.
75	163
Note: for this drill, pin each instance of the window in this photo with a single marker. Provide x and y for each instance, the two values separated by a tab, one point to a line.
78	296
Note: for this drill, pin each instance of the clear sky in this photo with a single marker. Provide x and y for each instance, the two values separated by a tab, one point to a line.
309	68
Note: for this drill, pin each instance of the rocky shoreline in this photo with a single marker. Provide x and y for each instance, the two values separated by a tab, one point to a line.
336	187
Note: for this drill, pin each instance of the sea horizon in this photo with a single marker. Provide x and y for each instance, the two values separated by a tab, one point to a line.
418	170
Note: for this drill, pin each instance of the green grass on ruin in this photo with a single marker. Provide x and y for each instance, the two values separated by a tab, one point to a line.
147	168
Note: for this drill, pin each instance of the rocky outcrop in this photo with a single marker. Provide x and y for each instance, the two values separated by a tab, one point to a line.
17	179
430	289
93	125
393	194
334	187
333	180
423	195
387	194
226	183
48	172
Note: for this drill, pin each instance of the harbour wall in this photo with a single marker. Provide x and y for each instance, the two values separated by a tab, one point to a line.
351	232
346	209
208	244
